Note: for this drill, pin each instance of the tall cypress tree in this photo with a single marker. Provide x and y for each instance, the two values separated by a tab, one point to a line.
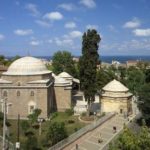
88	65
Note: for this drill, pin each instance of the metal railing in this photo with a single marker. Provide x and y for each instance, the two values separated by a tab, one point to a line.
81	132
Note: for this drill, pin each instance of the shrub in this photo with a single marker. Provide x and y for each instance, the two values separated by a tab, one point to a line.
31	143
71	121
69	112
54	115
25	125
29	133
35	126
75	129
83	114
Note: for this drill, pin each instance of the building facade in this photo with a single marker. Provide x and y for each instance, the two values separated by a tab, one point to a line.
28	84
116	97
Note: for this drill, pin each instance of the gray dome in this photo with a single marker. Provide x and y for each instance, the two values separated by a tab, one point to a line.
115	86
27	66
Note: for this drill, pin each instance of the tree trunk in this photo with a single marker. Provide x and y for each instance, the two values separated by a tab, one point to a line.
88	107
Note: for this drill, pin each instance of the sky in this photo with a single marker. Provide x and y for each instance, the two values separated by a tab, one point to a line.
42	27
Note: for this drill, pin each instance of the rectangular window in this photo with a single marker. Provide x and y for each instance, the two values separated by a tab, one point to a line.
31	109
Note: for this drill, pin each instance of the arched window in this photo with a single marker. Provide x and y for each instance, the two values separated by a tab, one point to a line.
32	93
5	94
18	93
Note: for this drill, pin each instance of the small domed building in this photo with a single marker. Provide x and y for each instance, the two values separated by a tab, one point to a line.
28	84
115	97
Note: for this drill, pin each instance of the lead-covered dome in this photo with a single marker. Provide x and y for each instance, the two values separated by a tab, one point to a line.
27	66
115	86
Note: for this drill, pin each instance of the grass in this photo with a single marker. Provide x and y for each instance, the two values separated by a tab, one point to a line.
72	124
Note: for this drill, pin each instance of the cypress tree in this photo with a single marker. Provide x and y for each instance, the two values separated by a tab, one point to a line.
88	65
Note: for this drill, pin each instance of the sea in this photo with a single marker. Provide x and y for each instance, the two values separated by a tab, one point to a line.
107	59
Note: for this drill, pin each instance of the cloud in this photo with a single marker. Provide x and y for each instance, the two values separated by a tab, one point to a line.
17	3
53	16
75	34
2	37
66	6
35	43
125	47
88	3
63	42
142	32
22	32
50	41
32	8
116	6
70	25
43	23
134	23
112	28
91	26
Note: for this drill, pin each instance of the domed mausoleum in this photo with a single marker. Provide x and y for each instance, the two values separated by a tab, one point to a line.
28	84
116	97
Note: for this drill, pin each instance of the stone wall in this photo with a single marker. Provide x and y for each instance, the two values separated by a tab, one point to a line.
25	79
115	104
20	103
63	98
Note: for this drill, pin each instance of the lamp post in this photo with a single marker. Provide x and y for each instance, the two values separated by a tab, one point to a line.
40	120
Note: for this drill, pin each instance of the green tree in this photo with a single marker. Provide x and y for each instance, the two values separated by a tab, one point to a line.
144	101
25	125
34	116
62	61
135	78
56	132
103	77
31	143
130	140
144	138
147	76
88	65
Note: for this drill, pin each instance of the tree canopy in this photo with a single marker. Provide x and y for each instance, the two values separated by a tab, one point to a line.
129	140
62	61
56	132
144	101
88	64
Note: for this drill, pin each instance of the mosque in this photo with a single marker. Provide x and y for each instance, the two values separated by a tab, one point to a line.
115	97
28	84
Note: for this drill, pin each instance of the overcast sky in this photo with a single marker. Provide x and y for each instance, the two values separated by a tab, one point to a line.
42	27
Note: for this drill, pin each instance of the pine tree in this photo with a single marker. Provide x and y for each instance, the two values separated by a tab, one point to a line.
88	65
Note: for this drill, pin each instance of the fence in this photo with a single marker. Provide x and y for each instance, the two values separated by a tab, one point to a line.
81	132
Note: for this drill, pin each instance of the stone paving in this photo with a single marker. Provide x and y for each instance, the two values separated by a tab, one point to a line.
89	141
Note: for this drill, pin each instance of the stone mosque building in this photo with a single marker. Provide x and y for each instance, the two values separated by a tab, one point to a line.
116	97
28	84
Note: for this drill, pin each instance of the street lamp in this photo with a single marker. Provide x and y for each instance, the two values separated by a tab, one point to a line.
40	120
5	105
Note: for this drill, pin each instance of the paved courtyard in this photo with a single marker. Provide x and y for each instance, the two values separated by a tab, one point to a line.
89	141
